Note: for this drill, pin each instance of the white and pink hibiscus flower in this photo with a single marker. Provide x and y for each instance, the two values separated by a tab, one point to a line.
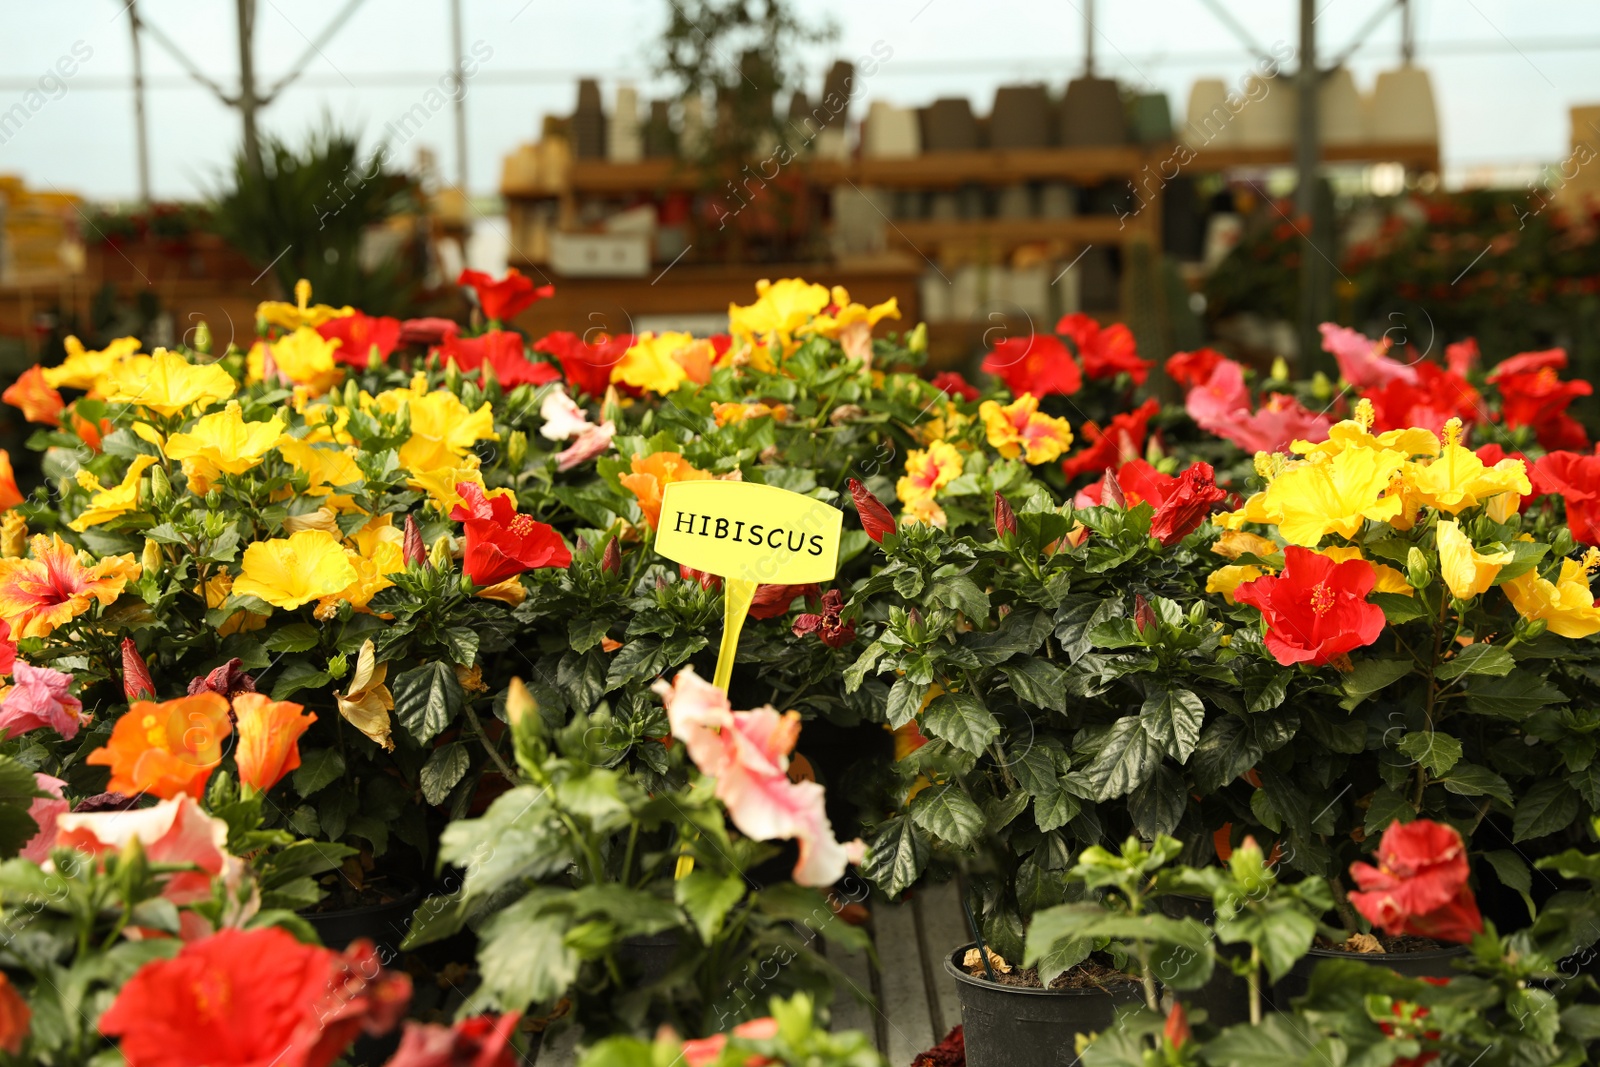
565	420
747	752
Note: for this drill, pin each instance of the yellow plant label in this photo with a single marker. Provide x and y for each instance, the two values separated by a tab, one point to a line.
755	533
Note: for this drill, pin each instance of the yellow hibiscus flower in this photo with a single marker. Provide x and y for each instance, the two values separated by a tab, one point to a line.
304	357
226	441
1389	580
325	468
87	370
1225	580
1458	479
168	384
288	572
443	430
1311	500
1566	604
1466	571
293	316
928	471
107	504
650	363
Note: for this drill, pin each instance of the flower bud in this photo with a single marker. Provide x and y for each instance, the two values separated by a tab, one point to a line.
136	683
160	486
152	559
611	559
1005	520
1280	370
516	450
1144	616
13	535
1528	629
917	339
439	556
1418	572
202	338
1111	491
413	551
452	377
1197	613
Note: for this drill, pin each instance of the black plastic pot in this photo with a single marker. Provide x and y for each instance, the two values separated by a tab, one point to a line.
1434	963
383	924
1009	1026
648	957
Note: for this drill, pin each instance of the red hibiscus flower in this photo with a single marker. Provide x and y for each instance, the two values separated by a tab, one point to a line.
1432	398
1039	364
228	680
875	518
827	625
1420	883
359	334
1533	394
708	1050
504	299
501	543
1114	445
482	1041
1574	478
252	997
1316	609
953	384
1106	351
771	601
1190	369
1461	357
1186	504
470	353
586	366
428	332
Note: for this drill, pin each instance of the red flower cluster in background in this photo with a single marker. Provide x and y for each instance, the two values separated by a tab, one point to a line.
586	365
1039	364
504	299
1420	883
1532	394
1316	609
1574	479
500	352
1106	351
482	1041
954	385
1117	443
501	542
358	335
1219	402
1431	397
249	997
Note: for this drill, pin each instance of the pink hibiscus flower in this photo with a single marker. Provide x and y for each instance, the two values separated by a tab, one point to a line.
1362	361
747	752
45	811
41	697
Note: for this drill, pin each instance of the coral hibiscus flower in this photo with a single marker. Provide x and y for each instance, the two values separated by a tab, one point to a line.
651	476
586	365
51	588
254	997
1420	884
33	395
1106	351
167	749
269	738
1316	609
1121	440
507	297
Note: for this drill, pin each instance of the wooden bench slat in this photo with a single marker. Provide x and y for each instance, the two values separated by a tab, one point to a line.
907	1025
944	928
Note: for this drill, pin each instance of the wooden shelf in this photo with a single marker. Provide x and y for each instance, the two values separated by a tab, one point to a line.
1010	233
1418	156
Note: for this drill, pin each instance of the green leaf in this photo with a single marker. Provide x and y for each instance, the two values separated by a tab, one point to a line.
1039	682
1054	810
1515	695
962	720
317	769
1513	870
637	659
1126	761
1281	931
1276	1041
1471	780
462	642
962	594
295	637
1436	751
1370	676
437	917
1386	807
427	699
446	766
1548	806
1173	717
948	813
895	856
908	583
299	675
17	790
905	700
1397	607
1227	748
1476	659
708	898
1158	804
523	956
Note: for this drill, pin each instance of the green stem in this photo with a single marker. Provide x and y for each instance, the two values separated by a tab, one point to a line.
1254	981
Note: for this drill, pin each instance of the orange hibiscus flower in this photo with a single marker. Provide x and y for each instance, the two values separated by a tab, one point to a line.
31	393
166	749
10	495
269	738
52	588
651	476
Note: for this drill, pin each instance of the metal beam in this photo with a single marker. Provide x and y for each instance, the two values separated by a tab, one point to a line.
313	50
141	128
1224	16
